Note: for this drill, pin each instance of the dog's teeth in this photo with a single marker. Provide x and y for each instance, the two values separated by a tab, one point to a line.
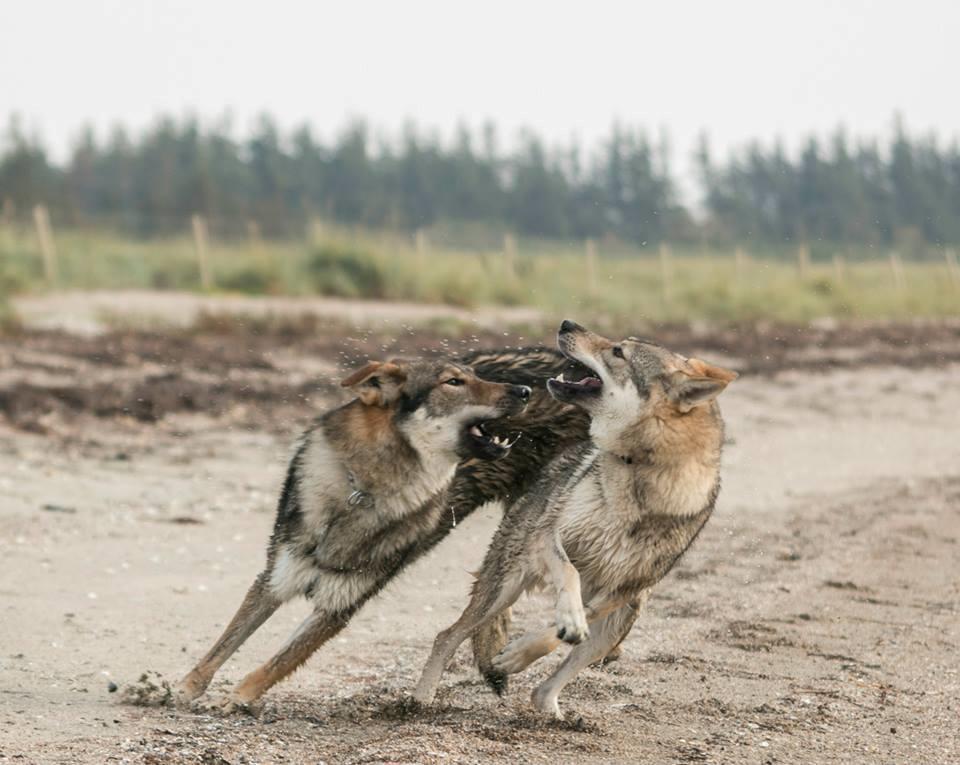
475	431
560	378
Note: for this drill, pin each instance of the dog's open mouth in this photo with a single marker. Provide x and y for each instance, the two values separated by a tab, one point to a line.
586	386
479	440
479	433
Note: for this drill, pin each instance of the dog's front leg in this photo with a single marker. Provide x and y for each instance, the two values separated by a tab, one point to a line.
312	633
571	618
258	605
490	596
521	652
608	630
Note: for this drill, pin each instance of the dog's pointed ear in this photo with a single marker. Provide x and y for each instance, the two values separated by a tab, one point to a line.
704	369
700	386
378	383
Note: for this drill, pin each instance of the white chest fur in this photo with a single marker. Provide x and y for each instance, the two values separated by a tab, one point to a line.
324	486
597	515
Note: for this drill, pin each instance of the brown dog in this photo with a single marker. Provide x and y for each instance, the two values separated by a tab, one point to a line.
609	517
367	483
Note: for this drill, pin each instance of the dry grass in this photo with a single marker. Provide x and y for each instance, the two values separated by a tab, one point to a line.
556	278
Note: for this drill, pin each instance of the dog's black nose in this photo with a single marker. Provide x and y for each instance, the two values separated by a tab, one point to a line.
569	326
522	392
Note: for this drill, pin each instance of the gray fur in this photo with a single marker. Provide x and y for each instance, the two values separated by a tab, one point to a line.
608	518
367	484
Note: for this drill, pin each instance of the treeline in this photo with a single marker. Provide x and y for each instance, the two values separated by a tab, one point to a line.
905	193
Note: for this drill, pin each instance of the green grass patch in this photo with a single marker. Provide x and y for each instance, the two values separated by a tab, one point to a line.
622	284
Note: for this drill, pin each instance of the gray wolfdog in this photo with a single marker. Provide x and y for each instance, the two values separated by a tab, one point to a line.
365	490
609	517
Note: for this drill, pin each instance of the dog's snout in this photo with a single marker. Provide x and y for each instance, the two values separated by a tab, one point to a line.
570	326
522	392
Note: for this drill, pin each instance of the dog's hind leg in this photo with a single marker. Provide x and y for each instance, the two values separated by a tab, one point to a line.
312	633
488	641
616	652
258	605
605	633
483	606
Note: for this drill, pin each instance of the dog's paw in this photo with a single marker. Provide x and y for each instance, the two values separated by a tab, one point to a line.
423	695
514	657
234	705
184	698
186	692
614	655
571	622
545	702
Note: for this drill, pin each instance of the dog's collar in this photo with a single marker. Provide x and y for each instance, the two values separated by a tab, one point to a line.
358	496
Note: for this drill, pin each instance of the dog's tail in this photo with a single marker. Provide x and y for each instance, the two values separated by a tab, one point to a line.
488	641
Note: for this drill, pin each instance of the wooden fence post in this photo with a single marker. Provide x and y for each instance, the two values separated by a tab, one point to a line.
803	260
314	230
199	226
953	268
590	258
254	236
48	250
896	268
509	253
6	222
666	273
740	263
421	245
6	216
839	269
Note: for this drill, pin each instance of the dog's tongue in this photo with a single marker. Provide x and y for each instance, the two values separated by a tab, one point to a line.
590	382
586	382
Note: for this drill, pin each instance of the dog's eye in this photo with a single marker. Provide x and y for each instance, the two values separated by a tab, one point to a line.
454	381
618	351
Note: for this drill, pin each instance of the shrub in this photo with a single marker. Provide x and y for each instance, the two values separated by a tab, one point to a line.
7	318
250	280
170	274
347	272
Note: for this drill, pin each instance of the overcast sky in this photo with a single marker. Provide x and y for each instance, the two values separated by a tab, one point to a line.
739	69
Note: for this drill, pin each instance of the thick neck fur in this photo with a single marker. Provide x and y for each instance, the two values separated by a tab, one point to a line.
395	465
671	463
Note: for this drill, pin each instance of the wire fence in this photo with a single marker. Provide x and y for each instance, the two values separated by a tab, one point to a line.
236	253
